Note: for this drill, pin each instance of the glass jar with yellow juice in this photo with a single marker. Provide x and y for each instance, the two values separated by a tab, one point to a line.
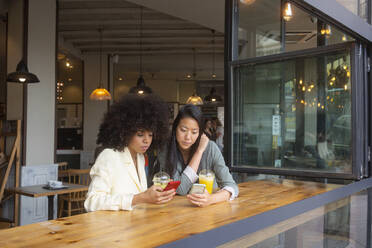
161	179
207	177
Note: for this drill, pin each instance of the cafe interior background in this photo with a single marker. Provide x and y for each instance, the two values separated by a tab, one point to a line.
76	47
80	46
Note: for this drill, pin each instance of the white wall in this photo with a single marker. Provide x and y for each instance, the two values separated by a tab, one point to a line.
41	96
93	110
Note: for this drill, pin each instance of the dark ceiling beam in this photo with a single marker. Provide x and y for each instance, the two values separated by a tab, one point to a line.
111	11
144	47
153	51
148	39
122	22
125	31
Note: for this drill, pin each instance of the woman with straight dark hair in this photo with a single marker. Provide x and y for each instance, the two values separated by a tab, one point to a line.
188	152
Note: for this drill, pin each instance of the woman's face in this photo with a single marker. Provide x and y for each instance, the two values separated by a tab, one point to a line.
208	124
140	141
187	133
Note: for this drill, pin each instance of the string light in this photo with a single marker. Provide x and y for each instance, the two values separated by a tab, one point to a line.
326	30
287	15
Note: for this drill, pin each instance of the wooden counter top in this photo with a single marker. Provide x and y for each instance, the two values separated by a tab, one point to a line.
153	225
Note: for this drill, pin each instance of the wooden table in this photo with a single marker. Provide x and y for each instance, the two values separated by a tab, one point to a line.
38	191
153	225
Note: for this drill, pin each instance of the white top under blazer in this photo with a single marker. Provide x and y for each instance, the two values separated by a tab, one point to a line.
115	181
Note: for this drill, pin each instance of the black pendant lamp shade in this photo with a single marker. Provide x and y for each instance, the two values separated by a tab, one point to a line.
141	87
21	75
213	97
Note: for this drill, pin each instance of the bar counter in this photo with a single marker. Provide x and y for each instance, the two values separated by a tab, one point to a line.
155	225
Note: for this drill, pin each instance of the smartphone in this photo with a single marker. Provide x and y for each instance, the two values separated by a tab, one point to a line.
172	185
197	188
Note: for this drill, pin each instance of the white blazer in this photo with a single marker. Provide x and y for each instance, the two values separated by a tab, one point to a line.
115	181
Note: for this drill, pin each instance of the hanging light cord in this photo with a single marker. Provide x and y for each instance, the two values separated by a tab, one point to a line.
194	62
100	58
213	42
140	69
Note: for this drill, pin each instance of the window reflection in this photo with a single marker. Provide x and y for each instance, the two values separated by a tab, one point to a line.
294	114
357	7
261	25
341	224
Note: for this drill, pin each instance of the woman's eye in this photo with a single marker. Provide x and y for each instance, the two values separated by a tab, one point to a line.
140	134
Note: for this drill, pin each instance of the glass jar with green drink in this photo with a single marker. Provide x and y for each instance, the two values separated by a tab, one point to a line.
161	179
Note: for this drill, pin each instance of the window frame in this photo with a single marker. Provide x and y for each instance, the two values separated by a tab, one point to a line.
359	98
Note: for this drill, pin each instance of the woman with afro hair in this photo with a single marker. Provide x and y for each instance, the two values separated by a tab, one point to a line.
128	130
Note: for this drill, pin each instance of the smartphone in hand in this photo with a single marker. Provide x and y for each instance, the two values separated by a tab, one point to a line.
172	185
197	188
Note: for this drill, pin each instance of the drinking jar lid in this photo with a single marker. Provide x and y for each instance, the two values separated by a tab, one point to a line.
206	173
161	176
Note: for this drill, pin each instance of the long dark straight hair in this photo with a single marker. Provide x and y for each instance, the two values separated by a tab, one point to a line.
174	154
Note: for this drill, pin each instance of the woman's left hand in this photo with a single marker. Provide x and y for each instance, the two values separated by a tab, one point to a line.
200	200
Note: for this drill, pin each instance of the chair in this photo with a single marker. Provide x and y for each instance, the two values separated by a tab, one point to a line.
75	201
62	171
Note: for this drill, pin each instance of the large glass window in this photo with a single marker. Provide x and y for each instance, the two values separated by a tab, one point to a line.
269	27
341	224
358	7
294	114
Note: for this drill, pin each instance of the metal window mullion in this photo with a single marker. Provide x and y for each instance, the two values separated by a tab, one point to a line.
230	47
357	111
366	111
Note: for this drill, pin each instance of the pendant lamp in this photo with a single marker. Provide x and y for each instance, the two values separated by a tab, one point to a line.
100	93
22	75
326	30
287	15
213	97
141	87
194	99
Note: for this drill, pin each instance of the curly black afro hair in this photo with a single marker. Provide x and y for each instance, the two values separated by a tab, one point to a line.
133	113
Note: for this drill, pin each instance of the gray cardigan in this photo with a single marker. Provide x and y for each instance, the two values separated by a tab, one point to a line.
211	159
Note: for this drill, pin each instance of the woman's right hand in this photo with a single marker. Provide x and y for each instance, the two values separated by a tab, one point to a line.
203	143
156	195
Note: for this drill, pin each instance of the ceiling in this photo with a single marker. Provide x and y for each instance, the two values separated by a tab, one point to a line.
80	20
